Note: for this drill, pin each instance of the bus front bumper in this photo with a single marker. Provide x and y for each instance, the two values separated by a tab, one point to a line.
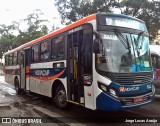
107	102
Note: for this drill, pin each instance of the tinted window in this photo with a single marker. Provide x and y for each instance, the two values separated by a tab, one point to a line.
15	58
58	48
35	53
88	51
45	51
19	57
10	59
6	60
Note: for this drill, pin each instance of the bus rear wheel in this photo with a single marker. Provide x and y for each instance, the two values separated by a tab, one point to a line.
60	97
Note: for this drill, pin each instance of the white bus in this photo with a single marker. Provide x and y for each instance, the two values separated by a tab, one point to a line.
100	62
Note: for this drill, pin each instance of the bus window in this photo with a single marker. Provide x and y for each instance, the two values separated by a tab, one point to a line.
10	59
6	60
88	51
58	48
15	58
45	51
35	53
19	57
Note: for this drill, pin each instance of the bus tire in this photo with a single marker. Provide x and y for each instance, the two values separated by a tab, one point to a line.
61	98
17	86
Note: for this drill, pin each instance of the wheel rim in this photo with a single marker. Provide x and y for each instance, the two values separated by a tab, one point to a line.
61	96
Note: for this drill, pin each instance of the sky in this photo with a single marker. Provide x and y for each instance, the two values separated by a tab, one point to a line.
15	10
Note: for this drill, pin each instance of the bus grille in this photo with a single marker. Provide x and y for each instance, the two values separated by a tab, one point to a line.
134	78
126	101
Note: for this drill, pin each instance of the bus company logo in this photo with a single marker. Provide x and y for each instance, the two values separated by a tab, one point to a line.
41	72
122	89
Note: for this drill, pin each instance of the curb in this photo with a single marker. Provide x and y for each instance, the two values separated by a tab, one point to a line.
53	117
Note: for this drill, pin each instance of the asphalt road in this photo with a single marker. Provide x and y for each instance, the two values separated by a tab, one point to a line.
31	105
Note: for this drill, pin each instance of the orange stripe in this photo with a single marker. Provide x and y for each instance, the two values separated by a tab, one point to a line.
27	69
76	24
27	76
50	78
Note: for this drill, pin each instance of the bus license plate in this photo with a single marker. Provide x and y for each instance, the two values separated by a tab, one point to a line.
138	100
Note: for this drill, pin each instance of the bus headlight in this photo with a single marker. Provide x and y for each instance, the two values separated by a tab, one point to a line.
112	92
107	90
103	87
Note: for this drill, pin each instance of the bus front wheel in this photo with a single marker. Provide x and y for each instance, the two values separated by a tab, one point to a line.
60	97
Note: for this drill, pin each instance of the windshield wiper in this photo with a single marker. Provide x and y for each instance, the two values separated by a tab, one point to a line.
137	45
137	49
124	41
138	38
121	38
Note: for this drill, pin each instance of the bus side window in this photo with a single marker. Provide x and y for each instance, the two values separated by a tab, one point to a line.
15	58
19	57
6	60
45	51
35	53
57	48
10	59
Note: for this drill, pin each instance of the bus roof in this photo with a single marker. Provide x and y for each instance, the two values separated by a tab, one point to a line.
73	25
56	32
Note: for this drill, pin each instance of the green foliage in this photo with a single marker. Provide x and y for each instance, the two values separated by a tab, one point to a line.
147	10
73	10
35	29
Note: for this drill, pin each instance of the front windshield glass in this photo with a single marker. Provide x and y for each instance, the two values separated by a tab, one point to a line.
132	55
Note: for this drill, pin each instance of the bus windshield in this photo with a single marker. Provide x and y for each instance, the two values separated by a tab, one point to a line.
123	56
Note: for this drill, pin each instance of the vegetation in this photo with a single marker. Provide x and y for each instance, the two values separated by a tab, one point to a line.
35	29
147	10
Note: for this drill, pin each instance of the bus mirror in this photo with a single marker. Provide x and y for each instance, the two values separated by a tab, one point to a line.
96	46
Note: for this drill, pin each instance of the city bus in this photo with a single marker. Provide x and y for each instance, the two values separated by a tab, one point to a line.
100	62
155	56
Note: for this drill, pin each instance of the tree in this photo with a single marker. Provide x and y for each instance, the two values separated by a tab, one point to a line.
146	10
6	38
73	10
36	28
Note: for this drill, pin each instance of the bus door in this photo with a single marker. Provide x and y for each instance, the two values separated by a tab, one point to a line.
75	68
79	65
22	71
25	58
